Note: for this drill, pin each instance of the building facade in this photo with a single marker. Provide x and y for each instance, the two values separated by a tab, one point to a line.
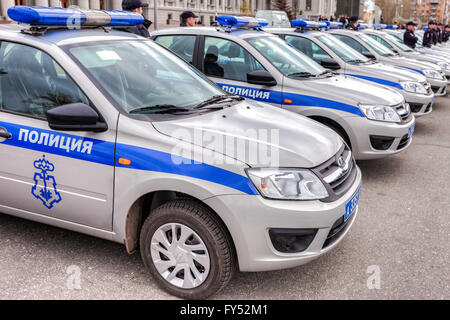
313	9
425	10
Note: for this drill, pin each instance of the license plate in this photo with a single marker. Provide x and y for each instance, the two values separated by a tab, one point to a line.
352	204
411	130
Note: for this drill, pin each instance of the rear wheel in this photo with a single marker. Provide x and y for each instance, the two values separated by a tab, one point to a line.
187	249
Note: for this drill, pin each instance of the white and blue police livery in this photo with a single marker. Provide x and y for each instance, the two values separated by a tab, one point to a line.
368	42
335	55
246	61
96	130
441	58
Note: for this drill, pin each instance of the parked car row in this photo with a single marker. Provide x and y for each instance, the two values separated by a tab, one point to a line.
110	134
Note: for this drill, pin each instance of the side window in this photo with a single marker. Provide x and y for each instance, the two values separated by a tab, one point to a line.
31	82
308	47
351	42
380	40
226	59
182	46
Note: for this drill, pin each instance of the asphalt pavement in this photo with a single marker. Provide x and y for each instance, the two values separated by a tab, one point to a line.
398	248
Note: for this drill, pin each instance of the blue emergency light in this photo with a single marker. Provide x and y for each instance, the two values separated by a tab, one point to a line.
363	25
43	16
308	24
241	22
390	26
334	25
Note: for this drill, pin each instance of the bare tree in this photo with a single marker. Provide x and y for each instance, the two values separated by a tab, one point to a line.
284	5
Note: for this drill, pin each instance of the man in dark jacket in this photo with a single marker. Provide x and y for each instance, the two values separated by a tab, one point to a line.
446	33
353	23
439	32
409	38
429	37
136	6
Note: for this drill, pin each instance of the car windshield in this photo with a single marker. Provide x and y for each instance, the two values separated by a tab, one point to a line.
376	46
288	60
399	44
140	75
345	52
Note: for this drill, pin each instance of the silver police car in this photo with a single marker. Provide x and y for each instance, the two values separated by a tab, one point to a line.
107	134
374	120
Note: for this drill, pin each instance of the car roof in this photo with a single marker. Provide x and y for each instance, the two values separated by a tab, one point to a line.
240	33
64	36
307	33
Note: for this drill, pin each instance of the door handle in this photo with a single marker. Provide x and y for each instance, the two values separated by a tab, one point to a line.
4	133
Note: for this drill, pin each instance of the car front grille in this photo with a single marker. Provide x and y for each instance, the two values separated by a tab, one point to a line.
428	88
403	111
338	173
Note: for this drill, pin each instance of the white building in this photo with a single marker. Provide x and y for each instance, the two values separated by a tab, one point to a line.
315	8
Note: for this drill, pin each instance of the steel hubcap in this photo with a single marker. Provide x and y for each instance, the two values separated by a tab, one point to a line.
180	255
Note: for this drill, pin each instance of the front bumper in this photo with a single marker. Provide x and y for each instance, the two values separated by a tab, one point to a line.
363	132
249	219
439	87
420	104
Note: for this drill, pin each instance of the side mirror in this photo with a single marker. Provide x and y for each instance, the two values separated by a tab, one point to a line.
367	54
330	64
261	77
75	117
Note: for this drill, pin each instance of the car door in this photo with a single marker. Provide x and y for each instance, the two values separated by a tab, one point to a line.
62	175
227	63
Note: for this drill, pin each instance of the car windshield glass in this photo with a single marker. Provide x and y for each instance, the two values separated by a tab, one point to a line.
141	75
288	60
345	52
376	46
399	44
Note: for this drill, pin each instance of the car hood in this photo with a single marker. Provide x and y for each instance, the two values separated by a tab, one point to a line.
349	90
415	64
381	70
252	126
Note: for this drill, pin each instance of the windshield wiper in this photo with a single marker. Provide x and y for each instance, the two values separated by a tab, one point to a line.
215	99
301	74
159	108
356	61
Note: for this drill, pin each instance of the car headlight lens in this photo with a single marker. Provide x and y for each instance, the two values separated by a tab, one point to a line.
380	113
287	184
444	65
432	74
414	87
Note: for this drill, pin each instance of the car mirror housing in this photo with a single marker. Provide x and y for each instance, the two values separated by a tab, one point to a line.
75	117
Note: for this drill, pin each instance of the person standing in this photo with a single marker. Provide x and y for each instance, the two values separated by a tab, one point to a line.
429	37
409	38
187	19
446	34
439	32
136	7
353	23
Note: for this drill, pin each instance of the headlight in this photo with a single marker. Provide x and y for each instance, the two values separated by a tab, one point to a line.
380	113
414	87
444	65
432	74
287	184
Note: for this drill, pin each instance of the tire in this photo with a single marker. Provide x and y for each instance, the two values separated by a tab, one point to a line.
208	231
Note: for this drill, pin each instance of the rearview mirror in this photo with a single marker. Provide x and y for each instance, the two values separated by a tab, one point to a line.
261	77
367	54
75	117
330	64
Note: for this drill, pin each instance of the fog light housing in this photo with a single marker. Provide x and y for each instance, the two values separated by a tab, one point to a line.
381	142
291	240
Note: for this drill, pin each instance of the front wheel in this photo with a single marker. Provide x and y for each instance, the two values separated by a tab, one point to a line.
187	249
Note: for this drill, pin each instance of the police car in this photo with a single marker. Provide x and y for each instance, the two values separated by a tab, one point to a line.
368	46
441	58
374	120
334	54
105	133
383	52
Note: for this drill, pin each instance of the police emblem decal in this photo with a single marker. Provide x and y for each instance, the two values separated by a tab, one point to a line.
44	187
